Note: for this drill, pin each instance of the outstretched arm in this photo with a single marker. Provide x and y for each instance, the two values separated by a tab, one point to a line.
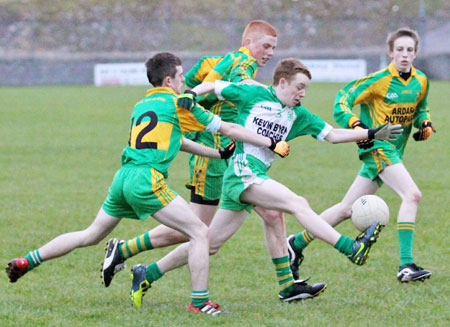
198	149
205	151
384	132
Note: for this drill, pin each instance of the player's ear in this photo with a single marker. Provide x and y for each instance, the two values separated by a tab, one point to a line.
390	54
246	42
167	81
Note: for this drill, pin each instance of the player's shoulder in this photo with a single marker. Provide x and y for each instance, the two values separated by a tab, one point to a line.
301	111
420	73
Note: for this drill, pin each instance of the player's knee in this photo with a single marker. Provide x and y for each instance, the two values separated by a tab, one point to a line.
272	217
414	196
344	210
90	237
214	248
299	204
200	232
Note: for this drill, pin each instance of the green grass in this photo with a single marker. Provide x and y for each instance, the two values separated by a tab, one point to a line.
60	147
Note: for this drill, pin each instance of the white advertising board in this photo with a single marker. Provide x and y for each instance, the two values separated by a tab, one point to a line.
344	70
120	74
322	70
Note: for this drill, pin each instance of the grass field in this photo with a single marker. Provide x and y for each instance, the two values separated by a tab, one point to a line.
60	147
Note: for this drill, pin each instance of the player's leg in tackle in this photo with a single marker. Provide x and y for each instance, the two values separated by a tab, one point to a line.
179	216
275	234
333	216
63	244
278	197
117	251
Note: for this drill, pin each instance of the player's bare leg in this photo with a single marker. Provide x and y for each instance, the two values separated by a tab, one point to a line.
274	231
102	225
400	181
342	210
162	236
179	216
273	195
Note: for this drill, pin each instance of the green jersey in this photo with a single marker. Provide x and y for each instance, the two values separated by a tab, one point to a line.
157	127
385	98
262	112
235	66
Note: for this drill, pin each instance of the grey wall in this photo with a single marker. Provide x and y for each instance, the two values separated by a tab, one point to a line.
70	71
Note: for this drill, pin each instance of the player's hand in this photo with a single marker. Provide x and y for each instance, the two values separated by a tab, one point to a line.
279	147
363	144
385	132
425	132
187	100
228	151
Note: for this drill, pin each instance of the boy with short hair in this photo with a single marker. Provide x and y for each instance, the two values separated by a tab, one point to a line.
397	95
139	189
277	112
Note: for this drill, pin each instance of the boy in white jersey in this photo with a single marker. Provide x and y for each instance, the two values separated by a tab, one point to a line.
275	112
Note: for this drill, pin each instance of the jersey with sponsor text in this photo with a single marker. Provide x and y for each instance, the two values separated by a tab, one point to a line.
262	112
385	97
157	127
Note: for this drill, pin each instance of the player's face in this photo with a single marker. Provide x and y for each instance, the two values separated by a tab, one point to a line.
293	91
403	53
176	83
262	48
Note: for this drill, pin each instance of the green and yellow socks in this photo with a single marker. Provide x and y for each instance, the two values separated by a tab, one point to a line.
405	232
134	246
302	240
284	275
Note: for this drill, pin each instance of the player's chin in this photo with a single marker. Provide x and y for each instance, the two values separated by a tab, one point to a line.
263	62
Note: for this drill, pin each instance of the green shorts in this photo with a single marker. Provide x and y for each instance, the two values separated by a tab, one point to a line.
376	160
137	192
206	176
243	171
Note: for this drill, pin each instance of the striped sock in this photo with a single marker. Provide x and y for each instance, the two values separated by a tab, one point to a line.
34	259
199	298
134	246
302	240
153	273
284	275
405	232
344	245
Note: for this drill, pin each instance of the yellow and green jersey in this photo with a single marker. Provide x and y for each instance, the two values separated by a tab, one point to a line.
235	66
385	97
157	127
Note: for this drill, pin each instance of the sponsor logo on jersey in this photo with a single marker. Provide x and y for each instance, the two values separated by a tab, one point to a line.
270	129
402	115
392	95
268	108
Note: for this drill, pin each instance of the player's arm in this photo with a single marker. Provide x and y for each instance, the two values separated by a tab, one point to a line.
205	151
253	82
422	119
240	133
354	93
383	132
